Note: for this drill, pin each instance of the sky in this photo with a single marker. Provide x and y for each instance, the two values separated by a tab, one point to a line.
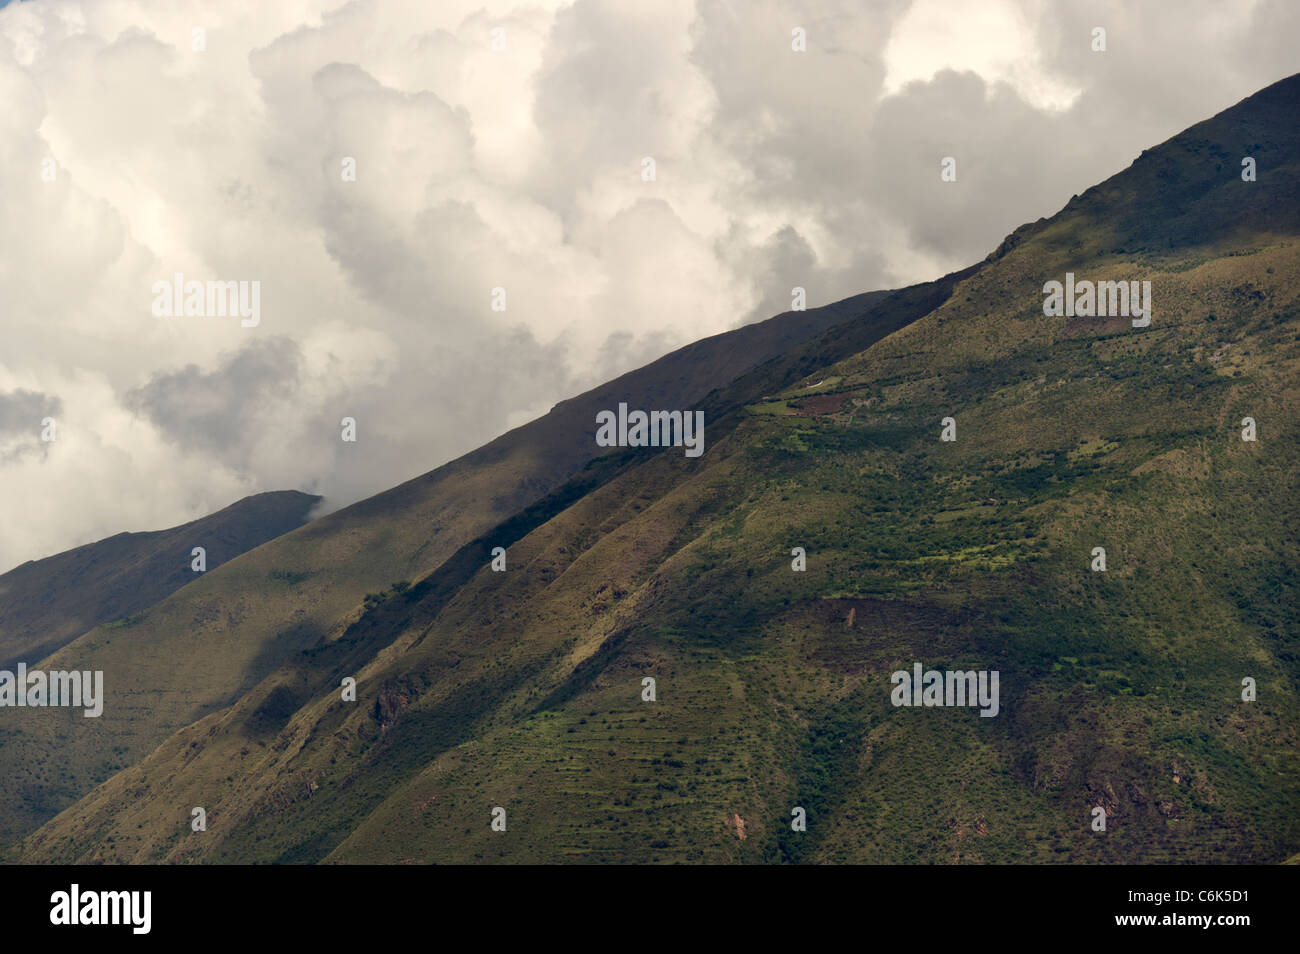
501	244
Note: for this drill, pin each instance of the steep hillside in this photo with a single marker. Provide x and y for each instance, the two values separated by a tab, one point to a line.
44	604
203	647
1120	689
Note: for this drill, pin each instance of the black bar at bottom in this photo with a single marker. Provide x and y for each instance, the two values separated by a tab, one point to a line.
335	903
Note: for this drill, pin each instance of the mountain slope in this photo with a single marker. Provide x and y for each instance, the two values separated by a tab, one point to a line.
374	625
203	647
1119	689
44	604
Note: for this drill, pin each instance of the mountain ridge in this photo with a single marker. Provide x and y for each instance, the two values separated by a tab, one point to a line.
48	602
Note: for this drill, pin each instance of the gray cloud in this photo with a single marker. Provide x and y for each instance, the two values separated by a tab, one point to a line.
21	416
224	410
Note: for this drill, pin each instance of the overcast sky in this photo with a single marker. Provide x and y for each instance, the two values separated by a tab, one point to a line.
519	168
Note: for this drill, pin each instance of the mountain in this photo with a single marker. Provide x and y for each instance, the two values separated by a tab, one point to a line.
525	690
203	648
45	604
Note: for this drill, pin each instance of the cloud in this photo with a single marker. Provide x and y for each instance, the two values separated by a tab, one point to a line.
142	138
221	411
23	416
